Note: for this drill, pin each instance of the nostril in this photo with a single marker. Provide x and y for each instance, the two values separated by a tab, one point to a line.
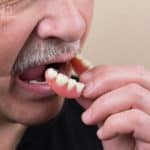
45	29
68	28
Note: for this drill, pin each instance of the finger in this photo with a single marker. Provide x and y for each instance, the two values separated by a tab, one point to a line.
133	122
85	103
102	70
123	142
110	79
122	99
62	85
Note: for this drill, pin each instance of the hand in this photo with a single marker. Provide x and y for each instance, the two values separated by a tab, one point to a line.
118	100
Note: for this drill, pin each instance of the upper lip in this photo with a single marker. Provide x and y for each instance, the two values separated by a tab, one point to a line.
43	53
60	59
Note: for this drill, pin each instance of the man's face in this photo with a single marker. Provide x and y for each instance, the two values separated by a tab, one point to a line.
34	33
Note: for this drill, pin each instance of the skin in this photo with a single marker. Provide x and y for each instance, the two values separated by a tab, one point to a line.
118	103
21	20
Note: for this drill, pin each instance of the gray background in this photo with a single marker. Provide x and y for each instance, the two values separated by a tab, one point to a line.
120	33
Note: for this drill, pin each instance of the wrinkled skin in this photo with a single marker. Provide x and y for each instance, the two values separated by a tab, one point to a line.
119	103
23	22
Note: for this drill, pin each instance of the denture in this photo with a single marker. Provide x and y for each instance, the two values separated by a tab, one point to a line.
62	84
80	64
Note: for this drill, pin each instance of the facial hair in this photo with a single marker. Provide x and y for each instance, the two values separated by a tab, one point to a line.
37	52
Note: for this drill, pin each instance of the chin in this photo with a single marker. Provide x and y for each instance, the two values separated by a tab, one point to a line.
35	119
32	112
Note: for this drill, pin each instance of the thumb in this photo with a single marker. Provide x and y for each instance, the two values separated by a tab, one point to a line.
85	103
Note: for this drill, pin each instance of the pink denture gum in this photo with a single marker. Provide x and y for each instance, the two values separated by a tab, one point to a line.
65	86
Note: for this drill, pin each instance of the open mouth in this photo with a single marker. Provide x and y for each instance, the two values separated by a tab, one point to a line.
52	79
33	79
36	75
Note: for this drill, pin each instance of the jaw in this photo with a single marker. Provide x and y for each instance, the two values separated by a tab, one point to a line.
26	107
30	111
17	105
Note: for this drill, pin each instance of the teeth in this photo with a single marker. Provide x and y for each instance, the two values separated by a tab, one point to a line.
80	87
79	57
37	82
71	84
84	61
52	73
87	63
61	79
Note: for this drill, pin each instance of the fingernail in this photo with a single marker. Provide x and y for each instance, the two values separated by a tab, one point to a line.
100	133
86	76
86	117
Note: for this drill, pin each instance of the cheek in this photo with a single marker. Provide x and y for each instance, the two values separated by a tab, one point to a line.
86	9
12	39
10	45
13	36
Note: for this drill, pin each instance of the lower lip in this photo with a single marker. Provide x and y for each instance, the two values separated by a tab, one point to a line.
38	89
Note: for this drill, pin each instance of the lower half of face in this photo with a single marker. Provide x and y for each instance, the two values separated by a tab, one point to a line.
32	103
19	105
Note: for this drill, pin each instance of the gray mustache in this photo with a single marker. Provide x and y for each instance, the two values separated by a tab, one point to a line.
41	52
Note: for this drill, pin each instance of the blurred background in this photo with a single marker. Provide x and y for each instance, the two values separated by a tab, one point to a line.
120	33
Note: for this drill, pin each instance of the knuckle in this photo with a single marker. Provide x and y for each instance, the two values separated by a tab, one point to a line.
113	122
135	88
140	69
137	118
136	92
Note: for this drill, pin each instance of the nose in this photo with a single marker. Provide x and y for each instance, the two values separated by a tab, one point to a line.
61	20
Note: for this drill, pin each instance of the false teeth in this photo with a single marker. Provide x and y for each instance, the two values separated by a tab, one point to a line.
79	57
52	73
61	79
63	85
37	82
79	87
71	84
86	63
